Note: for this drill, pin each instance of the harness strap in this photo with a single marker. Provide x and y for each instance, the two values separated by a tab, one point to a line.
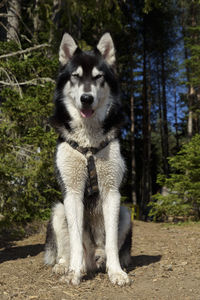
85	150
91	188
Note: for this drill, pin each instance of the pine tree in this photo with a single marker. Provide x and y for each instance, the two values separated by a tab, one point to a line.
183	186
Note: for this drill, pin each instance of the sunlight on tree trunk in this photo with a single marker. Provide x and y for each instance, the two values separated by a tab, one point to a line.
14	13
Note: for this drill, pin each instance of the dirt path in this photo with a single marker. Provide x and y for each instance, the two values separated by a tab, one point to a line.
165	265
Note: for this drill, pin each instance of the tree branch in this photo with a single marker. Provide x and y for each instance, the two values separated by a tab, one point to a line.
10	80
28	82
24	51
5	15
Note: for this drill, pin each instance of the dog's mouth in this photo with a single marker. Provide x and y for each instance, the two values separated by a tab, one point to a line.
87	113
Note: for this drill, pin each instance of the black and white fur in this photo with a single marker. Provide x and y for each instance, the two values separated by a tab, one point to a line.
88	111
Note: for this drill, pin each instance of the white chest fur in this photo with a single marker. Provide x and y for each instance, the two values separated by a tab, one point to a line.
72	166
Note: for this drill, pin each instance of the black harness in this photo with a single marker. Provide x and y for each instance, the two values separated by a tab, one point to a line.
91	188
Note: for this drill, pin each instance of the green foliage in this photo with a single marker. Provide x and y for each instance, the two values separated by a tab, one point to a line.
149	5
192	43
27	185
183	186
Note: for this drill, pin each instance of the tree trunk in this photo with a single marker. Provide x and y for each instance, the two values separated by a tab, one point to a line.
36	20
57	5
149	132
176	120
191	95
145	186
160	113
165	122
191	91
14	13
133	166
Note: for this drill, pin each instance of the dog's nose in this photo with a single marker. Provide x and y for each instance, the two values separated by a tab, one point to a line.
87	99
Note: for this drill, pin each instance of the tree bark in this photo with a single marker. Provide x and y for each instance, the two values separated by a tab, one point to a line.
149	132
191	91
176	120
145	186
132	102
133	166
36	21
160	124
165	122
190	95
57	5
14	12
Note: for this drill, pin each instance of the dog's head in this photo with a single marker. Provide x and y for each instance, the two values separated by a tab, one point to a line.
87	81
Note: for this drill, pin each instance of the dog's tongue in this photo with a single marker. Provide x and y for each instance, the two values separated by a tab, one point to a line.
86	113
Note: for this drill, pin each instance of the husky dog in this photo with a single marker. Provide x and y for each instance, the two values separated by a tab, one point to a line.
89	230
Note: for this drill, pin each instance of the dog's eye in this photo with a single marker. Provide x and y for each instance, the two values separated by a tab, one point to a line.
76	75
98	76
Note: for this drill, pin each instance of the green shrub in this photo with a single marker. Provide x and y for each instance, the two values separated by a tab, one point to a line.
183	185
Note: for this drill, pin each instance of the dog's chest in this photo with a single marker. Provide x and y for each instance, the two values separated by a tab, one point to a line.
72	166
85	134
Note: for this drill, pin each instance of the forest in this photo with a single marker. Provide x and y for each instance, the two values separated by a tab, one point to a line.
158	62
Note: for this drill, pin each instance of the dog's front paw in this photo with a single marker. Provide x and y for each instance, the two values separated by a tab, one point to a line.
60	269
120	278
71	278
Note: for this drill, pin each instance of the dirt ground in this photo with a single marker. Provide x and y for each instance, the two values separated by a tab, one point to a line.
165	265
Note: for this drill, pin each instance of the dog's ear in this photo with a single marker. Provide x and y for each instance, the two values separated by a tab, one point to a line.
107	49
67	49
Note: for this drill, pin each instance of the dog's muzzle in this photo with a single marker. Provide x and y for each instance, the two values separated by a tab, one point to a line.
86	101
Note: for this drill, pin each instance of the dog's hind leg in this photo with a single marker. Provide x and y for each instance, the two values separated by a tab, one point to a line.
50	251
125	236
60	228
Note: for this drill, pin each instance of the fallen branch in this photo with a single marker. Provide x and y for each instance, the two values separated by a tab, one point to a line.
24	51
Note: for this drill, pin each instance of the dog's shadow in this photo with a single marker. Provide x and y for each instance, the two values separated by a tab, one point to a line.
142	260
13	253
136	261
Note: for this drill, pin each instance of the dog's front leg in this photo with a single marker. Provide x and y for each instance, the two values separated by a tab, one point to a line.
74	213
111	206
